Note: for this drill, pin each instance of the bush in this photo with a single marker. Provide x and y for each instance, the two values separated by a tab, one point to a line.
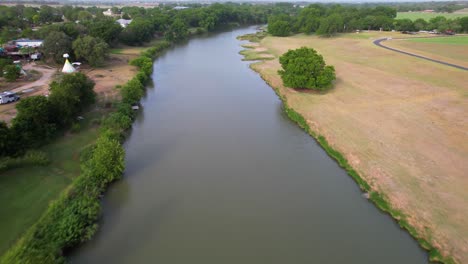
132	91
117	121
12	72
3	64
31	158
75	128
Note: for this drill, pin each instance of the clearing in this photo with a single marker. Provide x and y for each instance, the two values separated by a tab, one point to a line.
427	16
400	121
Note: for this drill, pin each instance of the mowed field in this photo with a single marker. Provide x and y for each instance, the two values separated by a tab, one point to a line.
400	121
26	192
449	49
427	16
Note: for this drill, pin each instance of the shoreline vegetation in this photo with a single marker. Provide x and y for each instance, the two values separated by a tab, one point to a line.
378	198
71	219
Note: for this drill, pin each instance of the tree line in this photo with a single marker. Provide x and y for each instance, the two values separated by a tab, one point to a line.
86	33
328	20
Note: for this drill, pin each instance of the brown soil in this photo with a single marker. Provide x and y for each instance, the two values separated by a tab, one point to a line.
400	121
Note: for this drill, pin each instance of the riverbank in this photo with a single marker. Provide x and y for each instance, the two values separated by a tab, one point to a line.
378	123
71	219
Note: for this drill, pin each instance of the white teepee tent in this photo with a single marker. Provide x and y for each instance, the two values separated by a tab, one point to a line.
67	68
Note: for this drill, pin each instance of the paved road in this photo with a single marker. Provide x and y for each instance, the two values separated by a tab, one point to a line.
378	43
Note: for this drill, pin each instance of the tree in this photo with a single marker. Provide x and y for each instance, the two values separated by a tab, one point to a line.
279	28
330	25
55	45
3	63
464	23
308	20
34	121
305	68
6	140
91	49
12	72
70	96
177	31
105	28
404	25
137	32
420	24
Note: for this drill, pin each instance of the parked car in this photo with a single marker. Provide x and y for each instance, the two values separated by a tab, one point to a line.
8	97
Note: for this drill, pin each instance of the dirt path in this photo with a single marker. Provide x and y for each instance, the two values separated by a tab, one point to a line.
43	81
8	111
378	42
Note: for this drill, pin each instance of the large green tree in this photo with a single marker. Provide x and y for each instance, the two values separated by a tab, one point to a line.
105	28
279	28
91	49
331	25
70	96
177	32
6	140
305	68
55	45
34	123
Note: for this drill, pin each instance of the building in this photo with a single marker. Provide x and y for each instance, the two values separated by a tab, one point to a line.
34	43
180	7
124	22
108	12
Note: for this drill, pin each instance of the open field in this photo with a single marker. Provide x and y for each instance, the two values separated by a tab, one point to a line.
450	49
29	190
458	40
427	16
401	123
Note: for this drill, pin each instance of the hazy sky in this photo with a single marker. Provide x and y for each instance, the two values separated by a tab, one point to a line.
312	1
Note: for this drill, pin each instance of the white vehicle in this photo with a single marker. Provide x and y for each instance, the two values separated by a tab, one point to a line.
7	97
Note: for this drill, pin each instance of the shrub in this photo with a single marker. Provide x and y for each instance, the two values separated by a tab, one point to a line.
12	72
75	128
31	158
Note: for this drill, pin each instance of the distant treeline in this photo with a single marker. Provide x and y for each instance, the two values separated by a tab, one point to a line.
61	27
331	19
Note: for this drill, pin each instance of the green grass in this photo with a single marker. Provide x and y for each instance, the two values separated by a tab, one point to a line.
427	16
29	190
116	51
462	40
252	55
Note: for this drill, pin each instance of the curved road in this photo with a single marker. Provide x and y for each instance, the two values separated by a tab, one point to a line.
378	43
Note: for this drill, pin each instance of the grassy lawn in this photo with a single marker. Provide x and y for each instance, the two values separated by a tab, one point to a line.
116	51
443	40
26	192
427	16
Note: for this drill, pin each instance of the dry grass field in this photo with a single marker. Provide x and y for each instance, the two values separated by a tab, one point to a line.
400	121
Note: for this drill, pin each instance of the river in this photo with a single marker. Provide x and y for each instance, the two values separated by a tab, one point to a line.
216	173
